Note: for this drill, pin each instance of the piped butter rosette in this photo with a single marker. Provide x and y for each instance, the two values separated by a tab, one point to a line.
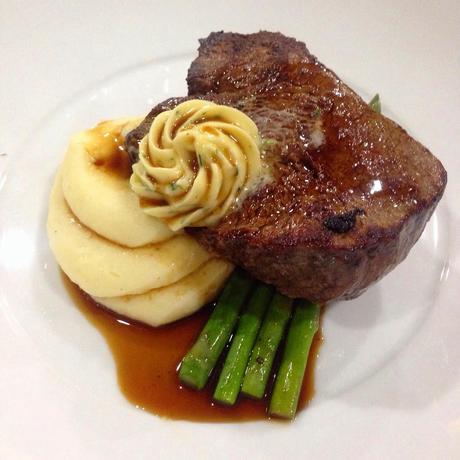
196	162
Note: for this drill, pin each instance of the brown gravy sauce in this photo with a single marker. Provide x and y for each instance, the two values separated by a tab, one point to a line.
107	149
146	360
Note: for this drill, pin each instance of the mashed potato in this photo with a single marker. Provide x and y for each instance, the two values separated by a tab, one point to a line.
102	199
127	261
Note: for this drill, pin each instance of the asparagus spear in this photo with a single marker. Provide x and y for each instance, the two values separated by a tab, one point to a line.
263	353
288	383
230	379
375	104
198	363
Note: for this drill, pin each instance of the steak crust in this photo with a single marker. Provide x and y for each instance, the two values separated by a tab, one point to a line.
352	191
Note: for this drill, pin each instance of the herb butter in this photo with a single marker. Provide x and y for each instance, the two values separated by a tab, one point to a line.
195	163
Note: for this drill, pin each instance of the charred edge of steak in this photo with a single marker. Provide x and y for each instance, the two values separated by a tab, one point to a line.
344	222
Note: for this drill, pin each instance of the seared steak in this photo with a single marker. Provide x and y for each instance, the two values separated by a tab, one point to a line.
352	190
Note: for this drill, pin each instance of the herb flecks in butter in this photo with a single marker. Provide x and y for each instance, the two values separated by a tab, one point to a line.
268	143
316	113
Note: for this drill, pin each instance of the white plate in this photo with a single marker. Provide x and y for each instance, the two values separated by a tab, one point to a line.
387	380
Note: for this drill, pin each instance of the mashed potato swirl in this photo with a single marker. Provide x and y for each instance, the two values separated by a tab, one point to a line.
195	162
124	259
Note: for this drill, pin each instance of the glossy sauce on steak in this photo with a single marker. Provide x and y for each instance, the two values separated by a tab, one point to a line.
352	191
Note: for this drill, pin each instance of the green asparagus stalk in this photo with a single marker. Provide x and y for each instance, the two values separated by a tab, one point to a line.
288	383
268	340
198	363
231	377
375	104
